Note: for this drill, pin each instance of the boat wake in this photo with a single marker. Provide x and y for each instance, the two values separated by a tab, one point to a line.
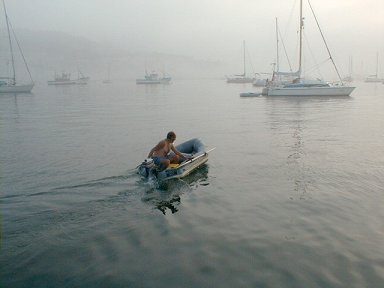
167	195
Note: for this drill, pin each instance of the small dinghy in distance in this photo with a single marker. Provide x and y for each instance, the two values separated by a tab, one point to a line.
193	149
250	94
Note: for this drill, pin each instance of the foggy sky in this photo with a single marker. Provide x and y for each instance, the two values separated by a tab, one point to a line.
209	29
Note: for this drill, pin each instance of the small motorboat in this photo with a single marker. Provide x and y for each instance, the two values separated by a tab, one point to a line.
195	153
250	94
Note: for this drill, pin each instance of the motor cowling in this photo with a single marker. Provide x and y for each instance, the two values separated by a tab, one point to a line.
146	166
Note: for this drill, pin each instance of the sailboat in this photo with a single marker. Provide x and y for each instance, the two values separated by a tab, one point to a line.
241	78
349	77
81	79
304	87
374	78
8	82
108	80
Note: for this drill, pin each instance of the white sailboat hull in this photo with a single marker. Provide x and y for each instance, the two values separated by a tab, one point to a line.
16	88
312	91
373	80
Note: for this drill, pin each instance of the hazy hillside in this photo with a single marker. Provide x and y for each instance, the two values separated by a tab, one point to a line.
48	52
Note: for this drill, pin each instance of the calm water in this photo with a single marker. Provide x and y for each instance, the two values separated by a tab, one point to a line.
291	197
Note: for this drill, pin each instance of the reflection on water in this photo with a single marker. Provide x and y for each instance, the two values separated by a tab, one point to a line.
292	120
166	195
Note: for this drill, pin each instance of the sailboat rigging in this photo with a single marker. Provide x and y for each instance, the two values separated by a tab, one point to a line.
9	83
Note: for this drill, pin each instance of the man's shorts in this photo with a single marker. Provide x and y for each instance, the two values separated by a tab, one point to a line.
158	159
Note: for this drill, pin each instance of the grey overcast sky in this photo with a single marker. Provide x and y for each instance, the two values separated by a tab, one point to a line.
207	29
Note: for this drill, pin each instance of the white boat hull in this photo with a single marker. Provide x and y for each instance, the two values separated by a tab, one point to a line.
69	82
158	81
374	80
16	88
313	91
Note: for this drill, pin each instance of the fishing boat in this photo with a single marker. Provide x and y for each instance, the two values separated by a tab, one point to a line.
240	78
62	79
9	83
65	79
304	87
195	153
153	78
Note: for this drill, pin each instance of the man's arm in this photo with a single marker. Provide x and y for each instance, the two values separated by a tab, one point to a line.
176	151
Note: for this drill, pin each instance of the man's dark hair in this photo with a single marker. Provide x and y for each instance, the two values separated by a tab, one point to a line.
171	135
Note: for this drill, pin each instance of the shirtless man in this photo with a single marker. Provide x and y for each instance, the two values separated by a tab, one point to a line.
160	152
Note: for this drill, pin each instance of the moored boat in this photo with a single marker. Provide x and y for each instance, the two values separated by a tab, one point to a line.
304	87
241	78
153	78
374	78
9	83
250	94
63	79
195	153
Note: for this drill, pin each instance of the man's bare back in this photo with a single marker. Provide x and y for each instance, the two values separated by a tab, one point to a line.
162	148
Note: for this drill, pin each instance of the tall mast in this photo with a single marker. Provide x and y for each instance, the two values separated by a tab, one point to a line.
10	45
301	35
277	47
244	55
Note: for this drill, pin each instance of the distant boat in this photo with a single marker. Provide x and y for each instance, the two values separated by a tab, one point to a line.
65	79
81	79
108	80
250	94
374	78
349	77
304	87
241	78
8	82
153	78
62	79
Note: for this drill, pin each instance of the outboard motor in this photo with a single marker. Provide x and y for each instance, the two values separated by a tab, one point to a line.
146	166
